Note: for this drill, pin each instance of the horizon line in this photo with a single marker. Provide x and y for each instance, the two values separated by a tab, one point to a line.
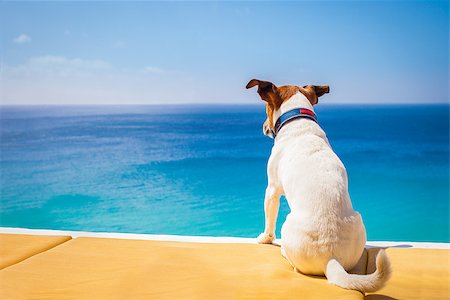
222	104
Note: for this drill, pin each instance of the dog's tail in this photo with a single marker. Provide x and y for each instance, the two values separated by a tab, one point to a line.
365	283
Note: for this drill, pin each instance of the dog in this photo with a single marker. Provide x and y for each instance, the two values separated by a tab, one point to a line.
322	234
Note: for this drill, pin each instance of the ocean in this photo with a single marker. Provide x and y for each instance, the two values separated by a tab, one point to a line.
201	169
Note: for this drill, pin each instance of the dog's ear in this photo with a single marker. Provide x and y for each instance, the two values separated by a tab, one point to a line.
313	92
320	90
266	89
252	83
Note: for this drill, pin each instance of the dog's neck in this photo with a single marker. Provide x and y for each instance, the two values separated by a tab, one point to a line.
297	101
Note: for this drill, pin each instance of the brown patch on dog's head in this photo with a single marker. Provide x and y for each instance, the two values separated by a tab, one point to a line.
275	96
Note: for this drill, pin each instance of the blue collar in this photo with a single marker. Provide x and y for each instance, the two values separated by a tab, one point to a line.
291	115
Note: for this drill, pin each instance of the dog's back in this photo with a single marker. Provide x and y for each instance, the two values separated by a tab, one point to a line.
322	223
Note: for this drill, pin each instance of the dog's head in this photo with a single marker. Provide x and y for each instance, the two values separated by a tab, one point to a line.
275	96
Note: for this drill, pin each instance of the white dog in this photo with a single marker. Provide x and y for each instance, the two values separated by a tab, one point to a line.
322	235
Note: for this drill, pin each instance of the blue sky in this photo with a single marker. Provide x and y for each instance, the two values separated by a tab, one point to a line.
205	52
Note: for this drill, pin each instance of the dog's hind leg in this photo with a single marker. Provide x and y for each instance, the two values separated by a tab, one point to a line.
283	253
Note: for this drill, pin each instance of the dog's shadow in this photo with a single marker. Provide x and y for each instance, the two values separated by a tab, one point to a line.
366	265
378	297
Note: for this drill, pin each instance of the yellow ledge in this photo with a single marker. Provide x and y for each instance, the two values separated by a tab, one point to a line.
123	268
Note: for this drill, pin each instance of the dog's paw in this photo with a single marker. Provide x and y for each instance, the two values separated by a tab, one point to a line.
265	238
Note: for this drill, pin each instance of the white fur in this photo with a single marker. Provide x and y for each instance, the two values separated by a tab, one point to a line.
322	228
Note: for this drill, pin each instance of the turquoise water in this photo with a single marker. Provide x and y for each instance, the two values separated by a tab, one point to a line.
200	170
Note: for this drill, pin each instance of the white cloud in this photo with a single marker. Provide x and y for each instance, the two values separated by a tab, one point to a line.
54	79
22	39
67	63
153	70
61	80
